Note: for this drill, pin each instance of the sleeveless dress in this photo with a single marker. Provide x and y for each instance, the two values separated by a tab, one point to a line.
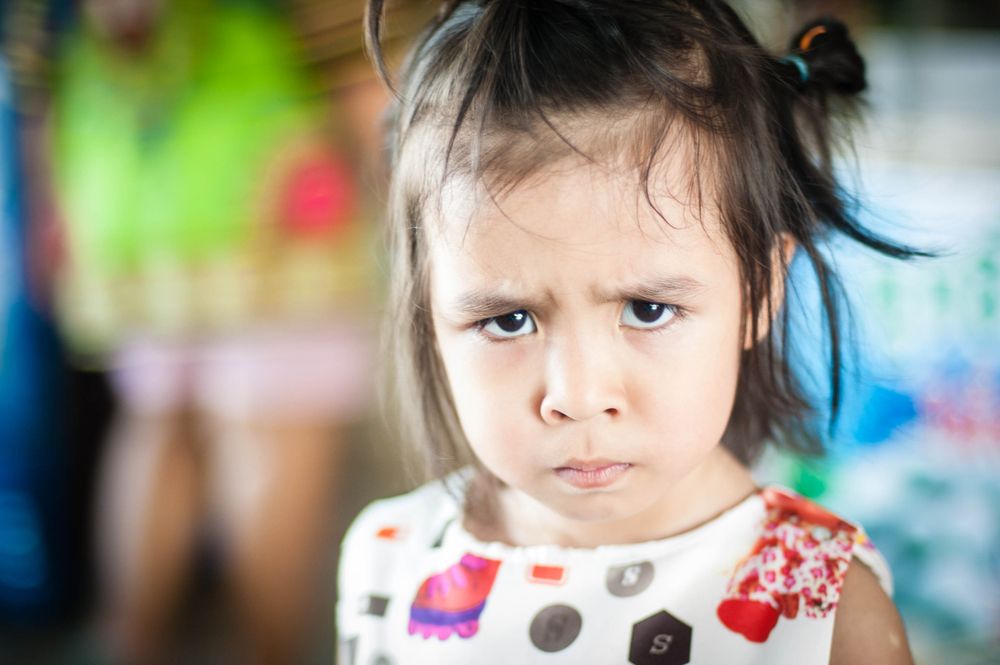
757	584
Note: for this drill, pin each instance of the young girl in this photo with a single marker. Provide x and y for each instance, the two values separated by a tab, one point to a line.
594	205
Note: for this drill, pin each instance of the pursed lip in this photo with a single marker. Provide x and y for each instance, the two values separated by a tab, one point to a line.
589	465
591	474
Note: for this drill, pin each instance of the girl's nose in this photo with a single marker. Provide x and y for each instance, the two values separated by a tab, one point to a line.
582	381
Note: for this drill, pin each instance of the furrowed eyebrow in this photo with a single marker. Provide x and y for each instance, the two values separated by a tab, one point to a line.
659	289
487	304
483	305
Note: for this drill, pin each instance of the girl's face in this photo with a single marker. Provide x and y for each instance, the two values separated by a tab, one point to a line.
592	351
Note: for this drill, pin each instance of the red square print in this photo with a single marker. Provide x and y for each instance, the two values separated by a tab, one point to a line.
389	533
547	574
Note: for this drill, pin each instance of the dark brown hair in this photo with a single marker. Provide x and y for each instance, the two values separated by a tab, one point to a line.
495	89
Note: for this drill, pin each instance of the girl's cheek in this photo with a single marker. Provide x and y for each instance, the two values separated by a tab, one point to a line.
488	372
653	346
662	351
498	360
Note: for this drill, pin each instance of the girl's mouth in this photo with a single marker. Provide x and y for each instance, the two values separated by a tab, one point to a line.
593	474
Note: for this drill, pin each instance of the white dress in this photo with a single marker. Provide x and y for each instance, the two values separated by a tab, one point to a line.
758	584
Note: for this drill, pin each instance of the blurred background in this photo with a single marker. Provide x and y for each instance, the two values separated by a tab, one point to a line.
191	282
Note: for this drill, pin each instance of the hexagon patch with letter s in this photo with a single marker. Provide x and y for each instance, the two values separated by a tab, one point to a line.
660	639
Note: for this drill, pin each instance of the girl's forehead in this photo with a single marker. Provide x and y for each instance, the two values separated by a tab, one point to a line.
576	203
640	153
575	223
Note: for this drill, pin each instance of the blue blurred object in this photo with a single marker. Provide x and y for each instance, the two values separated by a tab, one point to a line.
32	470
886	410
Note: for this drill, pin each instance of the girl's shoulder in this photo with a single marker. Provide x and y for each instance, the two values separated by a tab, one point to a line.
795	569
803	528
385	542
416	518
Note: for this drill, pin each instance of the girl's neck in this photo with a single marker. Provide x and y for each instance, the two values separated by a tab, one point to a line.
716	486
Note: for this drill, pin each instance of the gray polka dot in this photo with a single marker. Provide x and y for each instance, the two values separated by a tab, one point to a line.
381	660
630	580
555	628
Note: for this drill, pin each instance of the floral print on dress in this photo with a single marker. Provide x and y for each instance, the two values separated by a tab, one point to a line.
451	602
797	566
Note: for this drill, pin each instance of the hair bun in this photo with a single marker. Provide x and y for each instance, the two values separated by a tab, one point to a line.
833	61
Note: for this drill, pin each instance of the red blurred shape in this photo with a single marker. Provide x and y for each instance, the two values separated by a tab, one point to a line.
320	195
752	619
388	533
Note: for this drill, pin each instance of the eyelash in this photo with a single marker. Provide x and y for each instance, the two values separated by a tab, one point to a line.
677	313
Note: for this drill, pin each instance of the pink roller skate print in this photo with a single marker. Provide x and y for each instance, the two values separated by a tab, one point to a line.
798	564
451	602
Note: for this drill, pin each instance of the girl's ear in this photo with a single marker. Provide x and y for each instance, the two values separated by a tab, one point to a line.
781	258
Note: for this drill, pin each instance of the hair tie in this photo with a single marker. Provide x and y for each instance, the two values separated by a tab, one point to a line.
800	64
810	35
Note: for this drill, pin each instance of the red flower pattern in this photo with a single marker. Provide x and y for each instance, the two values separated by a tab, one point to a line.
798	564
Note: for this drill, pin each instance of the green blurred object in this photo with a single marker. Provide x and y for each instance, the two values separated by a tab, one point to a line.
158	152
204	183
810	478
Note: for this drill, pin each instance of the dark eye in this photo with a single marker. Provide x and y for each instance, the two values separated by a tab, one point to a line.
644	314
514	324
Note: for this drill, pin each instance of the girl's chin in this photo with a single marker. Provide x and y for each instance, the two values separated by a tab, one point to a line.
573	518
